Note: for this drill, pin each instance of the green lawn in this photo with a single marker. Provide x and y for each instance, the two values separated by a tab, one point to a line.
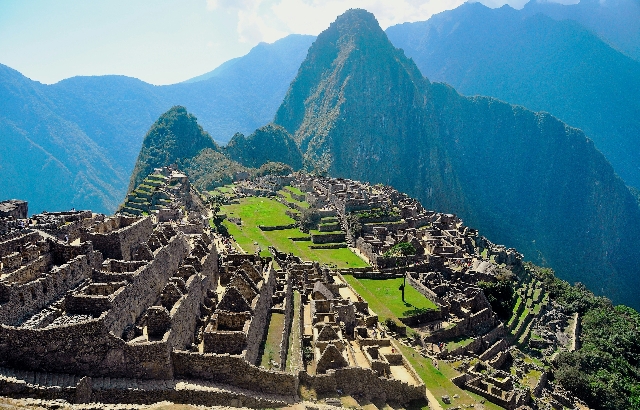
384	296
264	211
459	342
289	198
271	349
227	189
438	381
256	211
294	190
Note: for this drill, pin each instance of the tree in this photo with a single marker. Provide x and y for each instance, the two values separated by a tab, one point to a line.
401	249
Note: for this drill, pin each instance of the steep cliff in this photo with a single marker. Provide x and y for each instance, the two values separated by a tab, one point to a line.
360	109
271	143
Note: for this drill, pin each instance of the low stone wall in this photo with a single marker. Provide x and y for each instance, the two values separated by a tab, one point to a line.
130	391
329	227
288	320
360	381
235	371
328	238
374	274
276	227
83	348
329	246
428	316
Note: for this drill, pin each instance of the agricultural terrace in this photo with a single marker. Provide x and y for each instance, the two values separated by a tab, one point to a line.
256	211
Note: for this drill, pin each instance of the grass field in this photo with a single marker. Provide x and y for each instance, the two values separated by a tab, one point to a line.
294	190
288	197
438	381
268	212
383	296
271	347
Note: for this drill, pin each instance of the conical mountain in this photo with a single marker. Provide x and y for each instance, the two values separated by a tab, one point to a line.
175	137
360	109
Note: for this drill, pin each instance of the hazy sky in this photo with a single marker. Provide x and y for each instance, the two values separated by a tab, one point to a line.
168	41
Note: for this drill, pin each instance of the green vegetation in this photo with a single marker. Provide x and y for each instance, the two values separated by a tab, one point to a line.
287	196
377	213
271	345
438	380
270	143
401	249
385	298
294	190
605	371
176	135
500	295
459	342
269	212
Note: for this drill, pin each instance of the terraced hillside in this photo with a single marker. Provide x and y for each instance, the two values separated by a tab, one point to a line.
258	222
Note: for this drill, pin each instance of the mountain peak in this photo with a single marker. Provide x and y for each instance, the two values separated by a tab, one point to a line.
350	56
174	137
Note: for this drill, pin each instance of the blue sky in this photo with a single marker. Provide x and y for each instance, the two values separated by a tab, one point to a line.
168	41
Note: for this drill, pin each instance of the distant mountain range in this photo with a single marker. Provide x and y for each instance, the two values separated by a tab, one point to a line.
74	143
359	108
617	22
544	64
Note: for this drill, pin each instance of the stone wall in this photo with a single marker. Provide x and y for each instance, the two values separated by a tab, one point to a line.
235	371
276	227
425	291
328	238
365	382
26	299
499	346
260	307
83	347
390	226
146	285
288	319
185	312
15	242
120	243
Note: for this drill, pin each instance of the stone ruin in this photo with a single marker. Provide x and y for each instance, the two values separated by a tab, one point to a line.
140	307
449	262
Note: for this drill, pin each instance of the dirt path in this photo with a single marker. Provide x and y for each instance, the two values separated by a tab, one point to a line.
575	343
433	402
